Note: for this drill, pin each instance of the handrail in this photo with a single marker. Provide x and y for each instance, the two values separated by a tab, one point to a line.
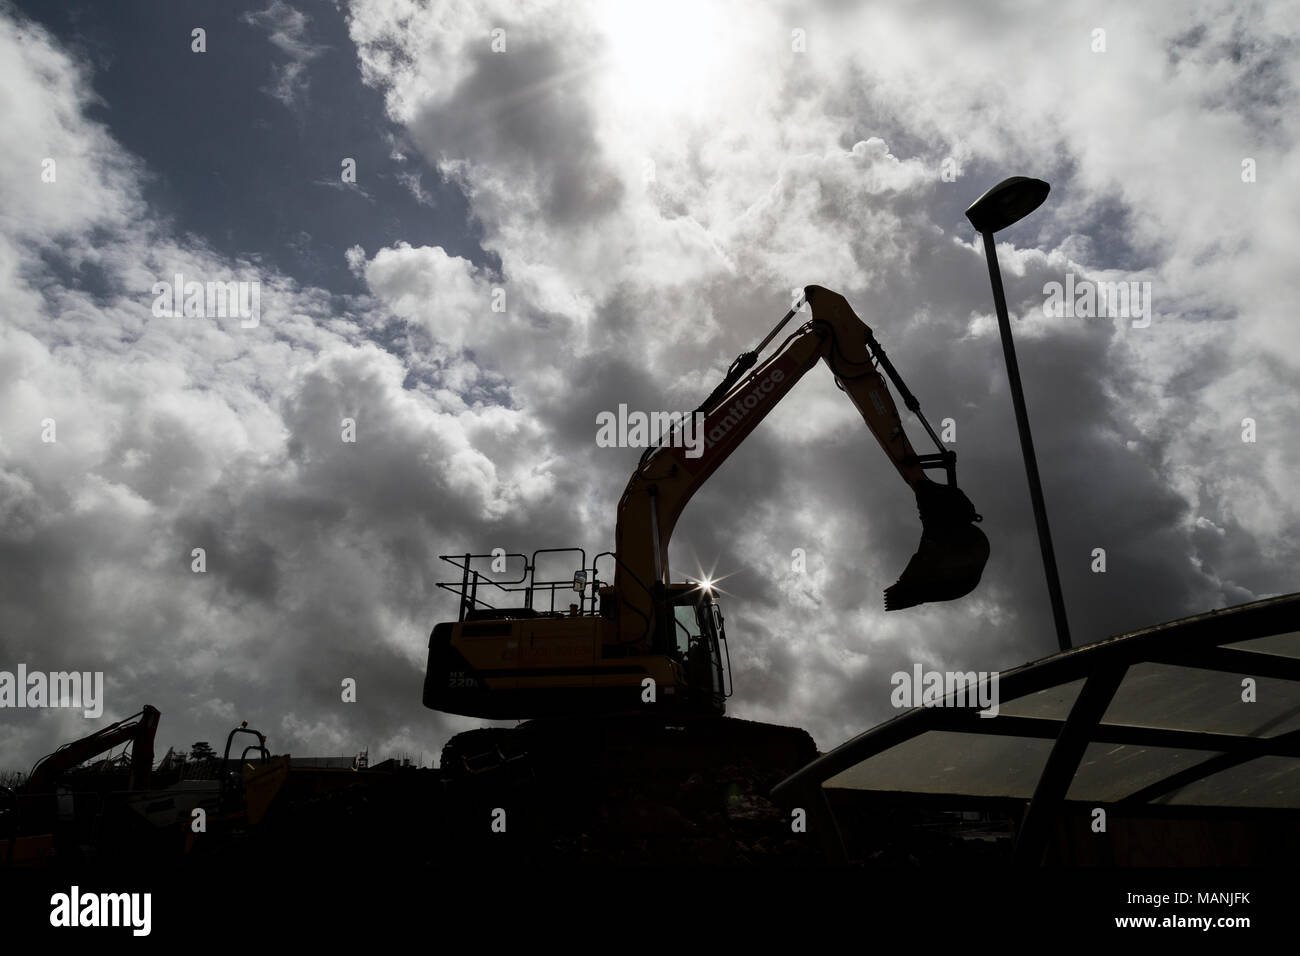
527	584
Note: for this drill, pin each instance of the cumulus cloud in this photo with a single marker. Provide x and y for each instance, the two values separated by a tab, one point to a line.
176	434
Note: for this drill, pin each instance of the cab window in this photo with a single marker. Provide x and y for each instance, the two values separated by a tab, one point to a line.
686	627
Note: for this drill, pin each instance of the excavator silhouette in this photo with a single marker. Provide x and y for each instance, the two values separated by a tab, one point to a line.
644	644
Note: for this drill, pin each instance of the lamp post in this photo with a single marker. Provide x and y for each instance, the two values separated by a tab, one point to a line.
1006	203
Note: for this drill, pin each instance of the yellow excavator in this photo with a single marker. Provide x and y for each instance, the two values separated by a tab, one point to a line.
641	643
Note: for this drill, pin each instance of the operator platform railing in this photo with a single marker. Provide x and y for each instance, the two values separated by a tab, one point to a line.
475	586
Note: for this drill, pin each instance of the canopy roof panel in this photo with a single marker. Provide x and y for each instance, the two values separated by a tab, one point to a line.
1199	712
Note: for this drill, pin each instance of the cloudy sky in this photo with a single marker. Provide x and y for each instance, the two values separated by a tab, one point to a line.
646	183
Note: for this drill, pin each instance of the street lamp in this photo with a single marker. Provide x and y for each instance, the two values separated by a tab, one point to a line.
1006	203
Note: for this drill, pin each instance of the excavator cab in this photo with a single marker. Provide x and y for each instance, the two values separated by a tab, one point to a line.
699	645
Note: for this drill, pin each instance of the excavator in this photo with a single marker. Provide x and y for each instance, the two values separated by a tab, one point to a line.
32	825
35	842
641	643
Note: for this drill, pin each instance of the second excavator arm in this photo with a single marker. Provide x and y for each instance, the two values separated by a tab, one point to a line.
952	553
138	729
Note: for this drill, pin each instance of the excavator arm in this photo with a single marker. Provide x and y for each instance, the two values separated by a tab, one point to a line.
952	553
139	729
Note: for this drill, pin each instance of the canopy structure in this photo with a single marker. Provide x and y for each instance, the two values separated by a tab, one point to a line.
1185	735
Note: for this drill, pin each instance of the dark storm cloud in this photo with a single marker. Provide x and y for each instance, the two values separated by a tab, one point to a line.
526	111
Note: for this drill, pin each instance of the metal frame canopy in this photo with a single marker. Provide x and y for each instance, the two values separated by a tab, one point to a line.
1198	717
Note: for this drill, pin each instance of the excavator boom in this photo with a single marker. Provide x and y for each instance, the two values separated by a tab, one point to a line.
952	554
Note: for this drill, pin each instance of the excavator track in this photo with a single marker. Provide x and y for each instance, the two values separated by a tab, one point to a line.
628	789
624	743
478	754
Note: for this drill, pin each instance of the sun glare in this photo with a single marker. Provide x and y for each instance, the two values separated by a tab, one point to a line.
663	55
709	582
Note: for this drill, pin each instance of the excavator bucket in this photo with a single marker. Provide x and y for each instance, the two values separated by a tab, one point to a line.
951	556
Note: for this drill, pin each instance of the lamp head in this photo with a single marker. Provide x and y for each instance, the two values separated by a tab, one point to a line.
1006	203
